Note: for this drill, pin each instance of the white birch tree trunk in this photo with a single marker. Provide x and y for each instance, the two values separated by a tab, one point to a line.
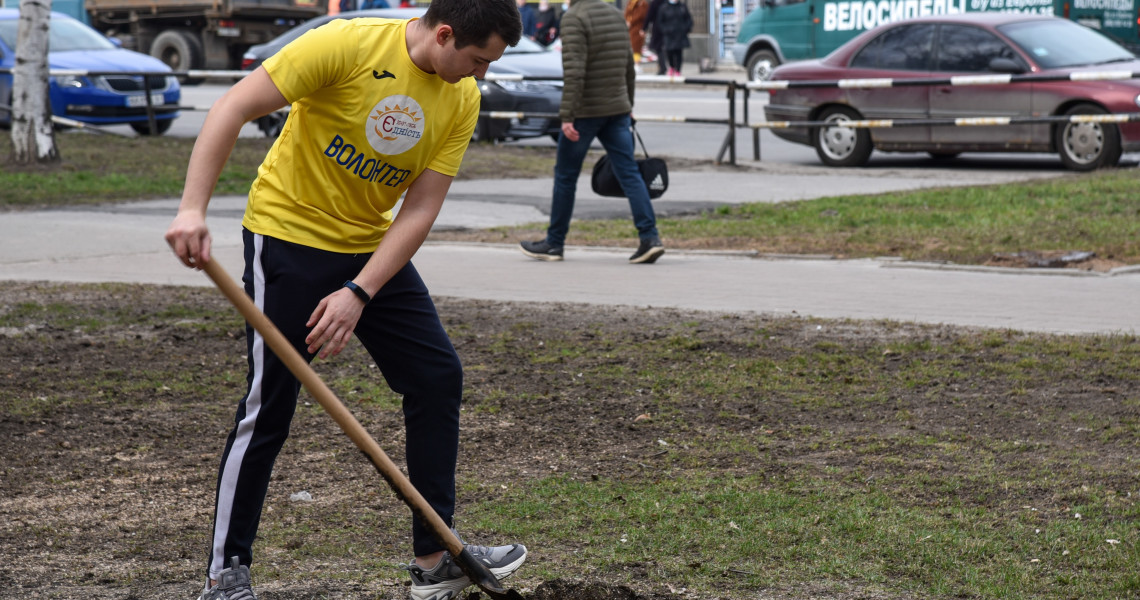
33	138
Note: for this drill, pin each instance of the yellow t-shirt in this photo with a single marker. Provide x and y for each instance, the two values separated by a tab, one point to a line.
365	122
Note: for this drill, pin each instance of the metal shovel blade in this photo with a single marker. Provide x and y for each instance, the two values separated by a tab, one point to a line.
481	576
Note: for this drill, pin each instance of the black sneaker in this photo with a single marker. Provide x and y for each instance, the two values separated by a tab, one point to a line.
541	250
649	251
233	584
446	579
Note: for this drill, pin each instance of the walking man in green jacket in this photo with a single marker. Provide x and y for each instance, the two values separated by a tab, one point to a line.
597	101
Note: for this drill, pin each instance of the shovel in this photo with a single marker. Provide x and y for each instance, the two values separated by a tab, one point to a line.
479	574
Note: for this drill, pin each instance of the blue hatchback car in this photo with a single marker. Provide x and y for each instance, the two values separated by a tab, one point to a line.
98	99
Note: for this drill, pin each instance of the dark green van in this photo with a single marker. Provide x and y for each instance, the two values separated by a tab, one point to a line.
778	31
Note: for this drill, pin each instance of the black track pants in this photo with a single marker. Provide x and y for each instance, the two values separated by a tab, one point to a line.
401	331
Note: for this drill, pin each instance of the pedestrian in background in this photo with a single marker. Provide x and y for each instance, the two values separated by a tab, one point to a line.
673	22
597	101
654	37
526	13
546	23
635	13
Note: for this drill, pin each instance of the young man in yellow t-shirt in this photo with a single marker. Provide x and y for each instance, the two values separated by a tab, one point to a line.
380	108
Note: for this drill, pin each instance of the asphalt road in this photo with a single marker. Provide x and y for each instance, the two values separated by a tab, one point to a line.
700	140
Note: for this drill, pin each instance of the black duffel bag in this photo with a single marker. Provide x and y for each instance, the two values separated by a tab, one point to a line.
653	170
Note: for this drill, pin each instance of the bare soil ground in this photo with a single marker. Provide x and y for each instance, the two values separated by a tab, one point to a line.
107	479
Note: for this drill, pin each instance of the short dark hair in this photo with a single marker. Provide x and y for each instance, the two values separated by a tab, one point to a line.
473	21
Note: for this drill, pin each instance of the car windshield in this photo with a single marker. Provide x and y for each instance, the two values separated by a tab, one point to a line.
66	34
296	32
526	46
1058	43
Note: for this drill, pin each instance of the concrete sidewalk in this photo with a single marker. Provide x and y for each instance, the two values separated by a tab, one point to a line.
124	243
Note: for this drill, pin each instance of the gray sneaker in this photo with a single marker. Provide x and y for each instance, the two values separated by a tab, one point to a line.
541	250
233	584
446	579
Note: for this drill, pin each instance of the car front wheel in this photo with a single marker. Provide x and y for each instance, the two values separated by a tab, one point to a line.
1088	146
161	126
6	113
841	146
761	64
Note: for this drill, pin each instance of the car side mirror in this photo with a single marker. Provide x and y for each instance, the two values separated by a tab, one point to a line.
1006	65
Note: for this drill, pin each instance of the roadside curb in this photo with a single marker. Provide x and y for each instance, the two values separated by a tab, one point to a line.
1060	272
888	262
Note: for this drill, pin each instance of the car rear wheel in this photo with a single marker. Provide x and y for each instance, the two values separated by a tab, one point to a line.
1088	146
272	123
161	126
482	132
761	64
841	146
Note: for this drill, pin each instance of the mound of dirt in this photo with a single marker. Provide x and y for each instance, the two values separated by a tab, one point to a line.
1054	259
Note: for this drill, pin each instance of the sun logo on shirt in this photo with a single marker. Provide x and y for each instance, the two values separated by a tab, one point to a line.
395	124
388	121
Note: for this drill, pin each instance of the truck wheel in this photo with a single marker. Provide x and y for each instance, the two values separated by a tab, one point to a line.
841	146
180	50
761	64
1088	146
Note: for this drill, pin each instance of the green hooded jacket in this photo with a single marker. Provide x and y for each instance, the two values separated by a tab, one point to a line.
597	62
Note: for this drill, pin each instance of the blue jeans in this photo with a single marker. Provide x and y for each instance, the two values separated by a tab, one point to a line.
615	136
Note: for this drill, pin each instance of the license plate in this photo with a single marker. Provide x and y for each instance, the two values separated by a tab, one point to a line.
140	100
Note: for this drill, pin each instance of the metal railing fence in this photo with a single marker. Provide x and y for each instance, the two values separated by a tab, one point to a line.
728	146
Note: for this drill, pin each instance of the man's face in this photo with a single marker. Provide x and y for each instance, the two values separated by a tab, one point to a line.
469	61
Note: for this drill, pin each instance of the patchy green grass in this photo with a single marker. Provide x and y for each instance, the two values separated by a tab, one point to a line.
1098	212
102	168
703	527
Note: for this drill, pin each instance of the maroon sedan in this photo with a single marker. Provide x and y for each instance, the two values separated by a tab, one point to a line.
966	45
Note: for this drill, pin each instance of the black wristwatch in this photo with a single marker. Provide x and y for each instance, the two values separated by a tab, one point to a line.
359	291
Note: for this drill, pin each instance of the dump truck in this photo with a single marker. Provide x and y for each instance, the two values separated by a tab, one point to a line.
198	34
